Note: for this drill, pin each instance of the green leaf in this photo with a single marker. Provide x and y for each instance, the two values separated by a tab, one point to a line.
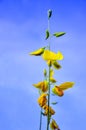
47	34
54	103
58	34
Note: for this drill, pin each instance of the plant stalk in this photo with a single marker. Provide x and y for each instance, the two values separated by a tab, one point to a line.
40	125
48	116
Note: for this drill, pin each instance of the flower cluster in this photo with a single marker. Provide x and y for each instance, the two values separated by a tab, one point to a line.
49	84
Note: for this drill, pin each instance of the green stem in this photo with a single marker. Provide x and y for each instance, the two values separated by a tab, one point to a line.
48	116
40	119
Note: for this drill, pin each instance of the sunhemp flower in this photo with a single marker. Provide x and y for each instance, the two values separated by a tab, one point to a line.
43	86
52	56
51	111
53	125
42	100
58	90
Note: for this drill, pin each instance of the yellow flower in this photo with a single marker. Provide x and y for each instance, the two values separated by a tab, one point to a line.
50	55
43	85
51	111
42	100
38	52
53	125
56	90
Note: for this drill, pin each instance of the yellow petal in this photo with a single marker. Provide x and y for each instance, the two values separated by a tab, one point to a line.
43	86
49	55
38	52
38	85
56	65
56	90
60	56
66	85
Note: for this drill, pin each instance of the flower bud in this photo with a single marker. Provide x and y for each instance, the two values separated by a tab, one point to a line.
49	13
45	72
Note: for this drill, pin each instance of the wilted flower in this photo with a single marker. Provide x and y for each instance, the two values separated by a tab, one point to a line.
42	100
51	111
53	125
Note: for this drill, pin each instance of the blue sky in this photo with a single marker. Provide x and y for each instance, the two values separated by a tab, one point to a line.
22	30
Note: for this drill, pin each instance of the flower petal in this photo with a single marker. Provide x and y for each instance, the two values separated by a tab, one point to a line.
66	85
60	56
49	55
43	86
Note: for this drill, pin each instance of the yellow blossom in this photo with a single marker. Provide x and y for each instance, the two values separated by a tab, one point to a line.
52	56
56	90
51	111
53	125
42	100
43	85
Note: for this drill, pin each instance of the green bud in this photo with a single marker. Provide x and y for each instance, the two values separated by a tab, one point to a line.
49	13
47	34
45	72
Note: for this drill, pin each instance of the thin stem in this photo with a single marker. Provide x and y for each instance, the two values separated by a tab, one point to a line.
40	119
48	116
